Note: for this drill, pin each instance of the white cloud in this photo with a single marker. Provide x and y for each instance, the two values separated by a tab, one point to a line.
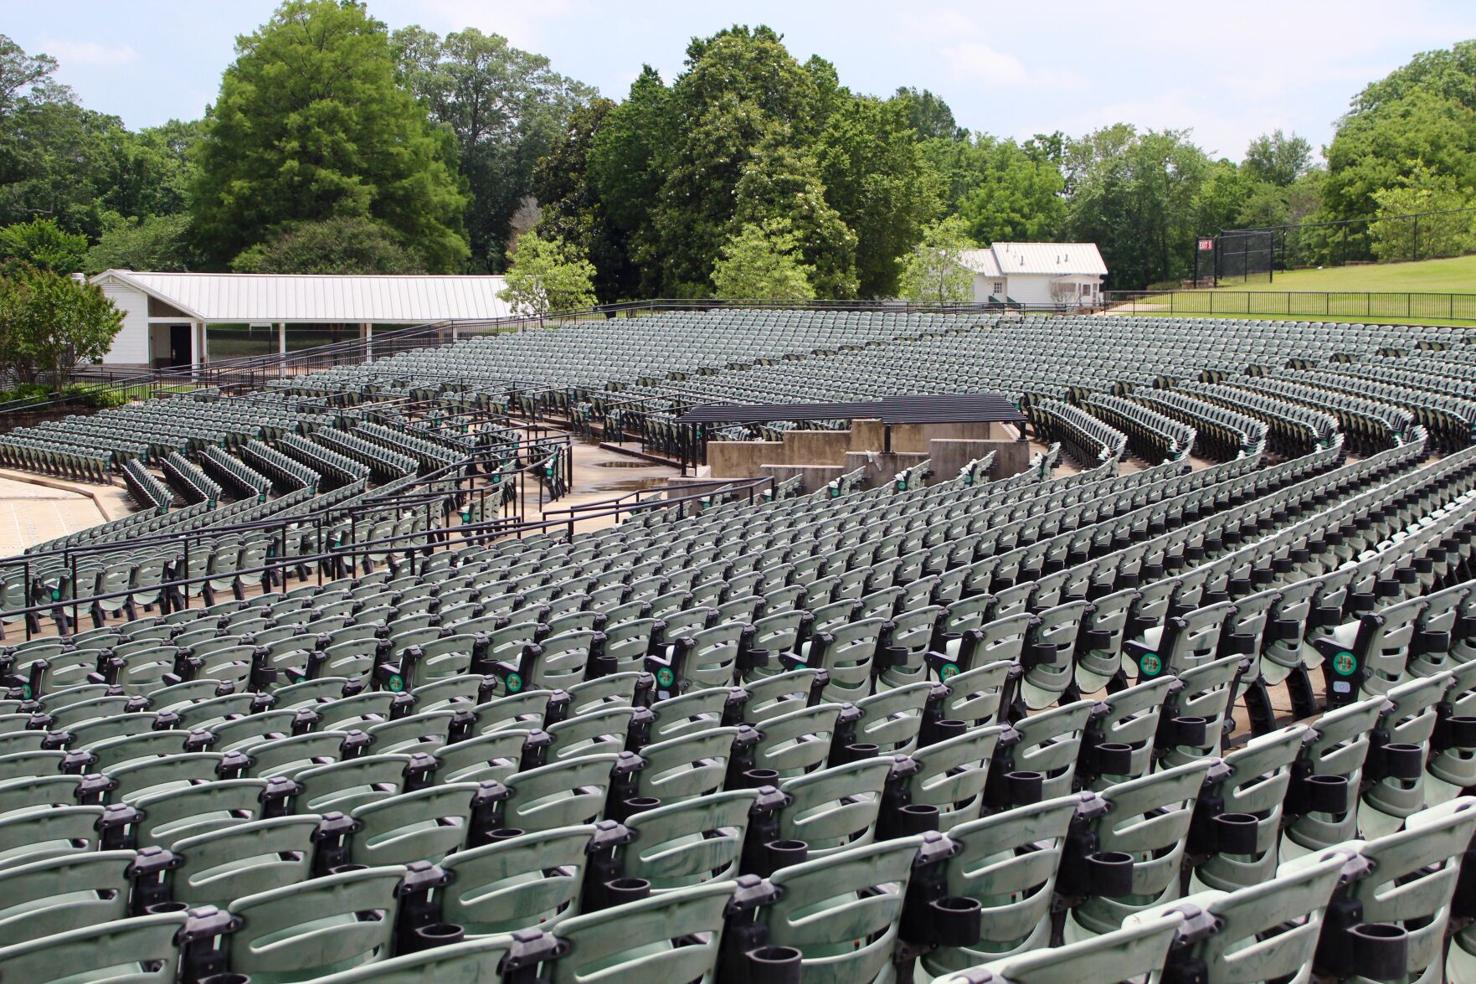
93	53
977	62
521	23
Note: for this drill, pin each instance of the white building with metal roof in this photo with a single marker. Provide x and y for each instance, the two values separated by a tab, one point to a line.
167	316
1066	275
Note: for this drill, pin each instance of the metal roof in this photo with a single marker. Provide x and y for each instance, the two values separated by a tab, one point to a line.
322	298
936	408
980	261
1048	259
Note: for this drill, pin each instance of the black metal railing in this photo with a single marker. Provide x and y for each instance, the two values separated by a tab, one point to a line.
399	548
1373	305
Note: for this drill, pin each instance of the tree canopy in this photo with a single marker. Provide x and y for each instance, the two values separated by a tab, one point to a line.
49	323
336	144
312	124
342	244
933	272
762	261
548	274
503	107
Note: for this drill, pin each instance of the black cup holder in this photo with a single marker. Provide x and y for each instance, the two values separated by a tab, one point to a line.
1192	731
1461	731
1380	950
162	907
783	853
1285	630
754	778
228	978
1024	788
339	869
1327	794
506	833
1114	758
776	964
858	750
1109	873
1403	760
957	920
948	728
916	818
1044	654
637	804
622	890
1235	833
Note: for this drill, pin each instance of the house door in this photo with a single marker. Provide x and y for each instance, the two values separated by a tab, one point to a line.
179	345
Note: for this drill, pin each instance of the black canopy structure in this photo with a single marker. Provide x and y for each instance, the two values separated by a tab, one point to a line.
937	408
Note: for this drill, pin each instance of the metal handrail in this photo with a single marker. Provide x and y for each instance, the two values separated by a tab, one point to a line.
420	542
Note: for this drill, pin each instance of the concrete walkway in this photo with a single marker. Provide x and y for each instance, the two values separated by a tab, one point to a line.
31	513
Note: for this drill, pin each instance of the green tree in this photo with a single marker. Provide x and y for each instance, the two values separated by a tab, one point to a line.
311	123
156	242
505	109
1421	118
1446	73
1004	191
1277	158
343	244
1444	229
782	181
933	273
879	181
41	244
150	172
928	115
763	262
572	209
56	157
49	323
625	175
741	89
548	275
1222	196
1137	196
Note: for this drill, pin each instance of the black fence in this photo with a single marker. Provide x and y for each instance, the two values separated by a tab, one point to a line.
1254	255
1313	305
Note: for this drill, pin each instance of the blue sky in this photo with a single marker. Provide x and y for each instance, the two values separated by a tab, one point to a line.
1227	70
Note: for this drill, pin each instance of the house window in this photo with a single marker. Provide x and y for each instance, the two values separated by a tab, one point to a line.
998	288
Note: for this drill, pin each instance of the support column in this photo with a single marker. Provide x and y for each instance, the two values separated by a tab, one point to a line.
197	344
281	338
366	335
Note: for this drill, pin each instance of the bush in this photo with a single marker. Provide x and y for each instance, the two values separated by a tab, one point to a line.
347	244
42	244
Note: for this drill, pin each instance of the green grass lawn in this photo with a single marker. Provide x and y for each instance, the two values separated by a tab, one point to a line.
1454	275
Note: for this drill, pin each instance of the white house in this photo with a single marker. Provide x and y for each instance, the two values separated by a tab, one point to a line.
1037	274
166	316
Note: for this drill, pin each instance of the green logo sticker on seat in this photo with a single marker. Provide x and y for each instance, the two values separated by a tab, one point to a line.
1150	664
1344	663
514	682
947	672
25	691
395	684
665	677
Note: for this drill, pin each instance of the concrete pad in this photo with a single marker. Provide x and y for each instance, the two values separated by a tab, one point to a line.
31	513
